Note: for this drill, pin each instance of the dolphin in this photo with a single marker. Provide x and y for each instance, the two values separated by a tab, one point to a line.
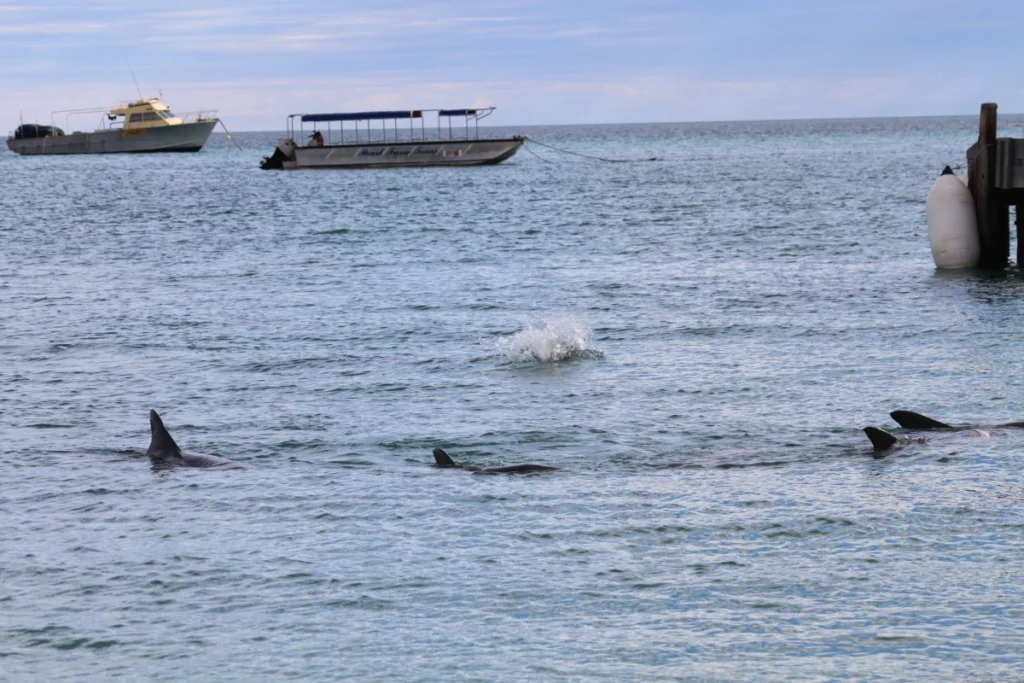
163	452
882	440
912	420
444	460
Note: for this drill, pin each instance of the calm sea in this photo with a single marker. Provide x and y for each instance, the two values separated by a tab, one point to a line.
696	340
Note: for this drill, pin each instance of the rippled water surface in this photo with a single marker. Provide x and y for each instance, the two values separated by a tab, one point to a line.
696	341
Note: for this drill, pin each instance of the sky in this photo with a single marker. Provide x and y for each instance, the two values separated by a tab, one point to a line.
539	62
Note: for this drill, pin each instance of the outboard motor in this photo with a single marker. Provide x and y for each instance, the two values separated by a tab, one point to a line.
285	151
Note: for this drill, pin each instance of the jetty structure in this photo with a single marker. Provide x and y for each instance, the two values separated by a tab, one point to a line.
995	177
389	139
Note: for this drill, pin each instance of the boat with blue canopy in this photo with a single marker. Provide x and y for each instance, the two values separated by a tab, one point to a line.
390	139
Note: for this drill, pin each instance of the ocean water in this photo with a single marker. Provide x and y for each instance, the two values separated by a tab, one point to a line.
697	341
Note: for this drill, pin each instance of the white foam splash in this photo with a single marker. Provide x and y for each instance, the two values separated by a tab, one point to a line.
549	341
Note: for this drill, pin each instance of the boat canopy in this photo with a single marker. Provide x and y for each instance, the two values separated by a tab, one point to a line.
390	115
365	116
388	120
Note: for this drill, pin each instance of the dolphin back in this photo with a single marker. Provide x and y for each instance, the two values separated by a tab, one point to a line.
442	459
880	439
160	442
201	460
911	420
515	469
164	453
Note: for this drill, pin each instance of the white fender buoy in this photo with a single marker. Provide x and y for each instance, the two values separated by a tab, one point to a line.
952	226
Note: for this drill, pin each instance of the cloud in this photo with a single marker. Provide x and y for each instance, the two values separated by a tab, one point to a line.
51	29
541	62
35	67
263	104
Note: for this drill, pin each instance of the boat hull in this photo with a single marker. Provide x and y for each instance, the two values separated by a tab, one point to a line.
187	137
403	154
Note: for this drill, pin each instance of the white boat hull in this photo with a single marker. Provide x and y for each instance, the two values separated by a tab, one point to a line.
186	137
399	154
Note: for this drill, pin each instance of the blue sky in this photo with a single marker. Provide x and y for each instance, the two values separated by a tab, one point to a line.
539	62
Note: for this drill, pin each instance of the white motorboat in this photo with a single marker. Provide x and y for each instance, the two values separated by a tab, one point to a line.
145	125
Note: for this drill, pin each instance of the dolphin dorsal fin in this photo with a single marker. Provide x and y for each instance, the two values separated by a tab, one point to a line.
911	420
160	440
442	459
880	439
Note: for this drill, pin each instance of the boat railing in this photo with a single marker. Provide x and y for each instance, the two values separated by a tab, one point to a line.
389	130
68	113
198	116
107	121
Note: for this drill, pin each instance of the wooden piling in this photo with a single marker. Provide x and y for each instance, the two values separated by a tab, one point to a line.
992	214
987	123
995	169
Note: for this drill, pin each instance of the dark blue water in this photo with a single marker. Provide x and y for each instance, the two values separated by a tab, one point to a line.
697	341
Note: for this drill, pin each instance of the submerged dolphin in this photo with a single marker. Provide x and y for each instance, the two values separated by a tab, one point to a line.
883	440
443	460
163	452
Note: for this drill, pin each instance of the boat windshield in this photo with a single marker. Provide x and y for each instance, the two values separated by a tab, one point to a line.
147	116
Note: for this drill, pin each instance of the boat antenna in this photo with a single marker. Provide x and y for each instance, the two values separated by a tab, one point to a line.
133	77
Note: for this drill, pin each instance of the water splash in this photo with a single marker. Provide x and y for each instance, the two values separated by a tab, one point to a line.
549	341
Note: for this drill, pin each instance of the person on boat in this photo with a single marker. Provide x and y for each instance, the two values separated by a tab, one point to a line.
317	139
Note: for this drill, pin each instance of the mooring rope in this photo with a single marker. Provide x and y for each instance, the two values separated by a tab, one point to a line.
546	161
585	156
230	137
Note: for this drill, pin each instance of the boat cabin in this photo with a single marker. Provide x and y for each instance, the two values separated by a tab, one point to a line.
151	113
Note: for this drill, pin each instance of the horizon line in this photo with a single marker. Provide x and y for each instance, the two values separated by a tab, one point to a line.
712	121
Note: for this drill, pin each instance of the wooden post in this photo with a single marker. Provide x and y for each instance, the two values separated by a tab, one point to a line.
992	213
987	123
